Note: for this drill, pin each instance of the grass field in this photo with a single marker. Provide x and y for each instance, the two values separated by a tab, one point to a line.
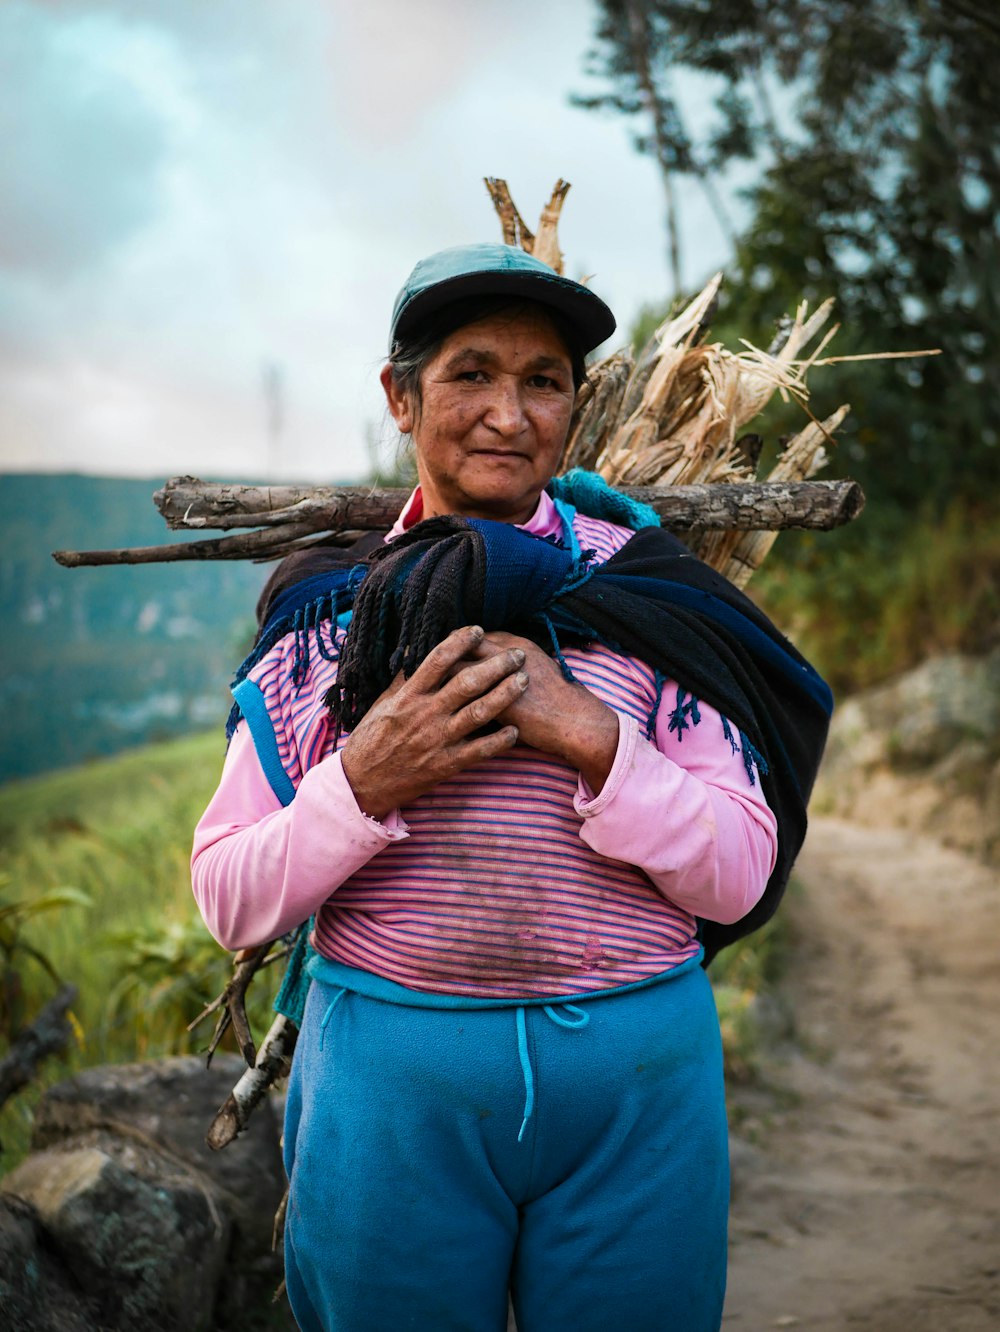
117	833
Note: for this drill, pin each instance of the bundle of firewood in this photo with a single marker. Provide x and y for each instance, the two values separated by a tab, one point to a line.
667	426
673	417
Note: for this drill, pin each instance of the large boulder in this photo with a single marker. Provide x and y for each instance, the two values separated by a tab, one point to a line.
37	1292
171	1102
922	752
140	1234
151	1228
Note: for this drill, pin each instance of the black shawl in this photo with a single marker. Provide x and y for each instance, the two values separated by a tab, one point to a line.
653	600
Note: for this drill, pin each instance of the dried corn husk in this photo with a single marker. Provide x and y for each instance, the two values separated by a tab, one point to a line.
597	406
739	554
543	243
676	413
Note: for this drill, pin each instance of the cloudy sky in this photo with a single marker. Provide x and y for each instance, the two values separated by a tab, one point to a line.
207	207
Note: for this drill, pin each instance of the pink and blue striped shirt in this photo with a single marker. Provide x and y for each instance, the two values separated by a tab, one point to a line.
511	879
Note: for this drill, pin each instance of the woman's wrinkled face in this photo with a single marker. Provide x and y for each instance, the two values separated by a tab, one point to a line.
493	416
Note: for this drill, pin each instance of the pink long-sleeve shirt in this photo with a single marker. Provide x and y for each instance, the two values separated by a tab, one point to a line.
511	878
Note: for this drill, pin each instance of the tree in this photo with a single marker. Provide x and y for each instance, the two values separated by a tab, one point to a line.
629	36
879	184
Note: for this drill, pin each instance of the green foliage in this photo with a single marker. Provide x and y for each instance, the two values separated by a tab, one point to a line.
879	185
27	977
167	973
119	831
866	605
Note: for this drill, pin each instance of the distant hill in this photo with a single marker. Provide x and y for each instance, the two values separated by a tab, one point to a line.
95	660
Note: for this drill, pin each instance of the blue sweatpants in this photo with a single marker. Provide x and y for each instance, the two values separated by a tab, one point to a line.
413	1204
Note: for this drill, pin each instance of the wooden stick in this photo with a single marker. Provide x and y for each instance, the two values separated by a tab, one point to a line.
187	503
515	230
50	1032
273	1062
546	243
321	513
753	506
232	1002
264	544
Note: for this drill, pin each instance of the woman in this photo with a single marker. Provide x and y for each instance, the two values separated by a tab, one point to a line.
509	1071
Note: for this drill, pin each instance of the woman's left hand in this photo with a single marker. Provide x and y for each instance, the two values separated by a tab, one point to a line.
557	716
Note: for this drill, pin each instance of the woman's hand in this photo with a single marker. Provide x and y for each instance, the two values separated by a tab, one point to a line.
555	715
423	730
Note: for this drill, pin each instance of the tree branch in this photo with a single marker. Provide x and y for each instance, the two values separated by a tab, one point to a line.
232	1001
268	543
323	515
273	1062
50	1033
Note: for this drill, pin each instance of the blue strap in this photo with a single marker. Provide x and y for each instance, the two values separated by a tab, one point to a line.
566	514
291	996
254	710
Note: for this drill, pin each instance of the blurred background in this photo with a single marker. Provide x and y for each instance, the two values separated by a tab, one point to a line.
206	210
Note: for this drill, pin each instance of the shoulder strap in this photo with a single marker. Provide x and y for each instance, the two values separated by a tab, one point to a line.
254	710
567	512
291	996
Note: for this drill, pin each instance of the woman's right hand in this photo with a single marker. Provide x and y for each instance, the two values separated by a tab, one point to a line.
422	730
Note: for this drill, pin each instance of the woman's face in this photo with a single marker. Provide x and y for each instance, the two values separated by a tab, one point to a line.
496	405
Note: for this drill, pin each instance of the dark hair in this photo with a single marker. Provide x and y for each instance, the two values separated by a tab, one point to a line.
410	355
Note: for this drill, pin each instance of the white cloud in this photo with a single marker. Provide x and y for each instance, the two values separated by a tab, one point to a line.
81	147
246	183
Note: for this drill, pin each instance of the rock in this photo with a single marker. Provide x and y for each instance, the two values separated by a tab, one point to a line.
171	1102
126	1203
37	1293
920	718
922	752
140	1234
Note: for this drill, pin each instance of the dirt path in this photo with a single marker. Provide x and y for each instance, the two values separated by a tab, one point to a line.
870	1193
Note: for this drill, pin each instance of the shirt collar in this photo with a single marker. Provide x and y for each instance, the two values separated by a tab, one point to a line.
543	522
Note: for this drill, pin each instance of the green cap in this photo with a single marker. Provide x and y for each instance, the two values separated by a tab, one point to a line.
497	270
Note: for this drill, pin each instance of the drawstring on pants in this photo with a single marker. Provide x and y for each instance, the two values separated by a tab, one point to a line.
579	1019
571	1018
328	1015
